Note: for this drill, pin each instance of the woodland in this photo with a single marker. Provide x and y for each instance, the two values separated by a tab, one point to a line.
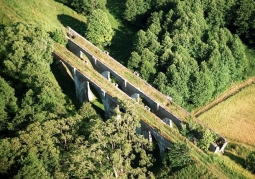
189	50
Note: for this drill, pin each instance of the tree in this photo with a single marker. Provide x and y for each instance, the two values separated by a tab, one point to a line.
201	87
99	30
111	149
8	105
207	139
250	162
178	155
245	20
135	8
87	7
134	61
32	167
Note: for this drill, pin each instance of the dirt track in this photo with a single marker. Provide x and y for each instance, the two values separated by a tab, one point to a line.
233	90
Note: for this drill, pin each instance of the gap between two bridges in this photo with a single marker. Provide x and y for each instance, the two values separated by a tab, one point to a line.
162	108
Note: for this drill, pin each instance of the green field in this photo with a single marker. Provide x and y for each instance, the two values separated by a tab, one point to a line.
234	118
49	14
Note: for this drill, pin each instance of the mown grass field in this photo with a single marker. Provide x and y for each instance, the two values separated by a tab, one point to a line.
234	118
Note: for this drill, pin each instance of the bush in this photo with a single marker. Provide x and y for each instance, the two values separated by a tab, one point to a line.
207	139
58	36
250	162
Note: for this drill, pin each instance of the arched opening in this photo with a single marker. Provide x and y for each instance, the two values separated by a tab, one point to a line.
115	82
65	81
97	102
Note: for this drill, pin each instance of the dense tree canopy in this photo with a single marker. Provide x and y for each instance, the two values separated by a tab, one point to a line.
40	137
185	49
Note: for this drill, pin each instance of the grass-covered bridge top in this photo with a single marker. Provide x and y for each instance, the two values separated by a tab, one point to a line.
149	118
135	80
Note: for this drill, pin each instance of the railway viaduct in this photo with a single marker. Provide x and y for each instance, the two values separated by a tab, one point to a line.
122	85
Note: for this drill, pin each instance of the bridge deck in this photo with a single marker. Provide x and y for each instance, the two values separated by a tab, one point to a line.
171	134
154	94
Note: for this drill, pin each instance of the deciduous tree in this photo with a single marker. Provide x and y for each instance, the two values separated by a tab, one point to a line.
99	30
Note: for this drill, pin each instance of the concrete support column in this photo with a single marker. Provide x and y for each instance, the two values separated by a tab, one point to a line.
94	62
89	94
106	74
81	55
109	105
80	87
149	136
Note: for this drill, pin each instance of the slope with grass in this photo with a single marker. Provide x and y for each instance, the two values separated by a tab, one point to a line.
49	14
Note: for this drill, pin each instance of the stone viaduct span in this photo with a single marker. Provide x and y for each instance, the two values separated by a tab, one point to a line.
85	77
126	83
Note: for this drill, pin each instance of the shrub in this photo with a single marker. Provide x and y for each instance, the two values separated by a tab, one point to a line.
250	162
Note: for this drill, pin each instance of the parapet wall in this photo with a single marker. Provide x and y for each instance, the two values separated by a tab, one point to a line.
125	85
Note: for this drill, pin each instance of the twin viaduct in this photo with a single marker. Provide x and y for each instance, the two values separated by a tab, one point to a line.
97	69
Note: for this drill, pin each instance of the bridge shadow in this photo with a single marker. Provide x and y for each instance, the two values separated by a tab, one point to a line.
77	25
65	82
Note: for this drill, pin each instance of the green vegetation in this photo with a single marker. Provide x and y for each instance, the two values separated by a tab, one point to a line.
85	7
178	156
99	30
42	134
192	69
250	162
48	14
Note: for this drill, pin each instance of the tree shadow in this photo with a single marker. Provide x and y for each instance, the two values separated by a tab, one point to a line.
235	158
77	25
116	8
121	45
122	41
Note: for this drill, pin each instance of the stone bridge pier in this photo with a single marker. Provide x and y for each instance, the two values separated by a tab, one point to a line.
83	89
153	136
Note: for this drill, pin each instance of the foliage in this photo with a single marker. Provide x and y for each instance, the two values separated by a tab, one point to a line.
197	68
85	7
245	20
111	149
178	156
58	36
250	162
8	105
207	139
99	30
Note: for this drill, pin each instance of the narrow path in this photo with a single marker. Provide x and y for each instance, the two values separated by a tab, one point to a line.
233	90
